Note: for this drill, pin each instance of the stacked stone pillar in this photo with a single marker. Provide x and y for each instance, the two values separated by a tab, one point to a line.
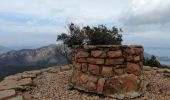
111	70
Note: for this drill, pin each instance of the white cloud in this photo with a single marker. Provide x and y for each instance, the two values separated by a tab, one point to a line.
38	21
142	19
64	10
143	12
147	22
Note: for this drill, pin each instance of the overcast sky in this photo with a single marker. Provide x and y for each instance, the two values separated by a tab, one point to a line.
34	23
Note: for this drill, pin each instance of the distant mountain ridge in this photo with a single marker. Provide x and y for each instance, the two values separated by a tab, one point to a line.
4	49
16	61
44	55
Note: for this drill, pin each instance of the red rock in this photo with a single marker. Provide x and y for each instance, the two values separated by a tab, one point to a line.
92	79
133	68
82	60
98	53
114	61
91	86
100	85
121	84
139	50
129	58
82	54
95	61
83	78
119	71
114	85
84	67
77	74
114	53
137	59
77	65
94	69
106	71
130	83
130	51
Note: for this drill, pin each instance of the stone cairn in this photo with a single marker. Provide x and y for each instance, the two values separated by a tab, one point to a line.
111	70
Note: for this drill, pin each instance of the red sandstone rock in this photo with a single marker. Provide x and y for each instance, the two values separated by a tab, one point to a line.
137	59
77	75
129	58
77	65
106	71
94	69
82	60
122	84
100	85
83	78
92	79
133	68
114	53
98	53
139	50
119	71
114	61
130	51
84	67
82	54
91	86
95	61
130	83
133	51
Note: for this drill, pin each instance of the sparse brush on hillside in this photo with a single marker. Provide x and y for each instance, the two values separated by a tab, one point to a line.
153	62
100	35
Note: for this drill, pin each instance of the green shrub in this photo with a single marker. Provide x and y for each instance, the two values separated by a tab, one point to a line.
153	62
100	35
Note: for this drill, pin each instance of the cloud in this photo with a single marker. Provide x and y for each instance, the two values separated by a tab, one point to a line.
88	12
147	12
146	22
38	21
146	15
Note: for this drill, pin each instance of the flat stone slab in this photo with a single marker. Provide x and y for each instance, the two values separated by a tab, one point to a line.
18	97
6	94
15	84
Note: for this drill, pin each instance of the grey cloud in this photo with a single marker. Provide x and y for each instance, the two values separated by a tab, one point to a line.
147	16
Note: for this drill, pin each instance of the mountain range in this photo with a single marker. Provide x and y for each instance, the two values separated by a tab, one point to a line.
16	61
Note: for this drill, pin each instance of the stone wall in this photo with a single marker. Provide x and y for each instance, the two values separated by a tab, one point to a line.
111	70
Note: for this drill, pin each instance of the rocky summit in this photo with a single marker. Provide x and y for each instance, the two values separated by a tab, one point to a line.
53	84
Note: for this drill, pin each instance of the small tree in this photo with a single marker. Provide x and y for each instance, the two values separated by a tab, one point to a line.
100	35
153	62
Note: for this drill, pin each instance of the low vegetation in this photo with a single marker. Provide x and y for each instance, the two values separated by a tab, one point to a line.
153	62
100	35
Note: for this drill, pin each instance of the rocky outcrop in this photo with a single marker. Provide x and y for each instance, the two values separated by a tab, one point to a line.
13	86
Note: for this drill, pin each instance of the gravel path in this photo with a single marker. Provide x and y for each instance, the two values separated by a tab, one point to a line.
55	87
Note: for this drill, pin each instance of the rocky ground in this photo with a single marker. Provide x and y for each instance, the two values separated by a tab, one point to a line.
53	84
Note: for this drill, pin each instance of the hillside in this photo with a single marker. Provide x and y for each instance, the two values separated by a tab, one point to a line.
53	84
29	59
